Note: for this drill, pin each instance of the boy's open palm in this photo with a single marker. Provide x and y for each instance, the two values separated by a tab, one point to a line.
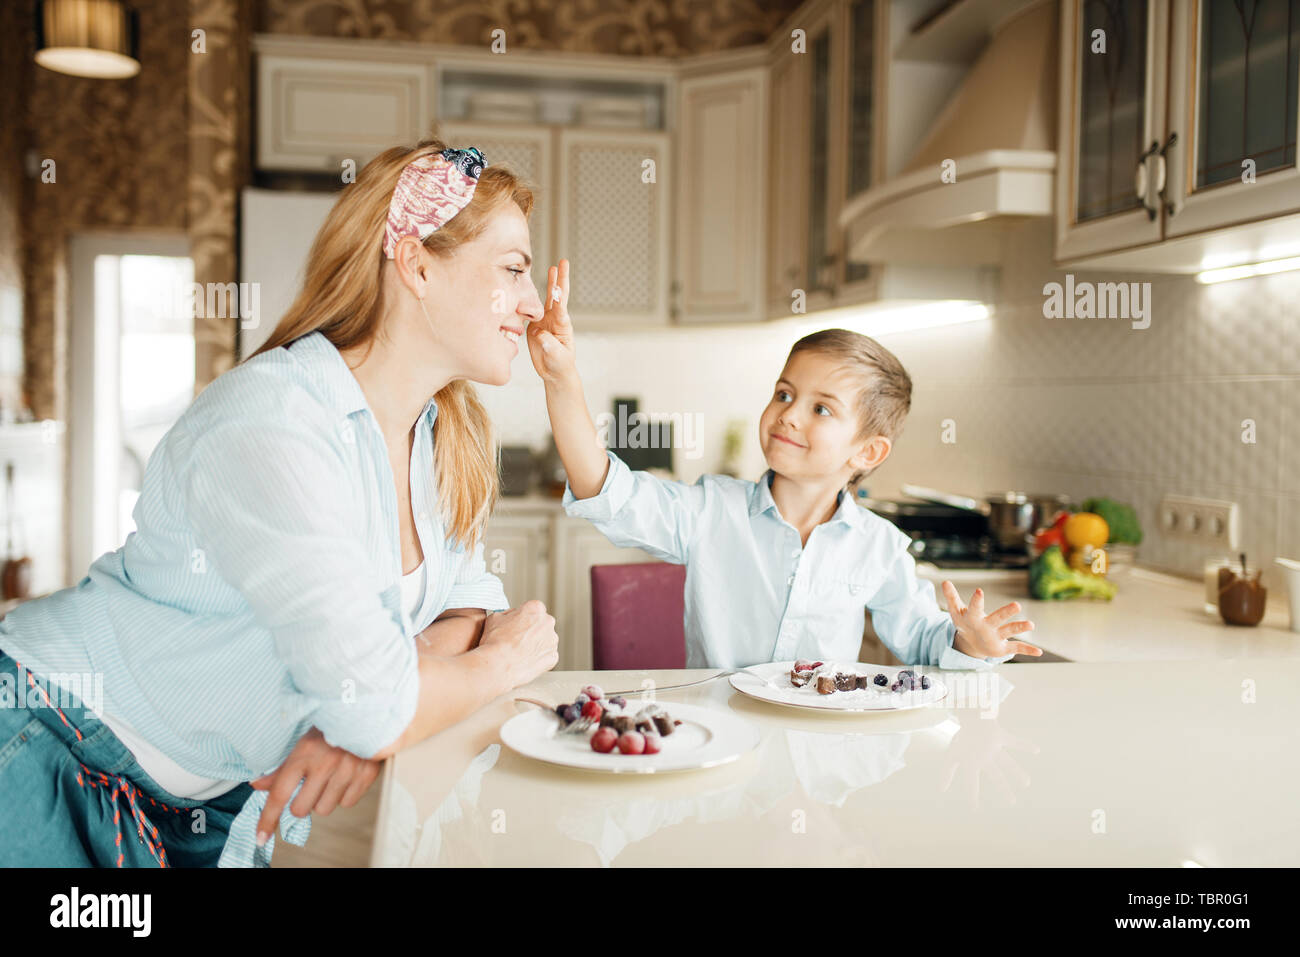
550	339
987	636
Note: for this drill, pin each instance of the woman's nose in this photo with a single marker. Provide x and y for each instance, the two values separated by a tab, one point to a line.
530	304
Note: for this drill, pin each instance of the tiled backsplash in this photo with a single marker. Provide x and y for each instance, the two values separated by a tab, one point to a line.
1081	406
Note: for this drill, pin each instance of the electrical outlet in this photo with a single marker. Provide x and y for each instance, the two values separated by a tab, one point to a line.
1204	520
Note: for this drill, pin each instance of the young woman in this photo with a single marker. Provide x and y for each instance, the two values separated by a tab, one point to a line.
305	593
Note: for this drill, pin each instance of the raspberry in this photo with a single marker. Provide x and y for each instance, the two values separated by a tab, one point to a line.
604	740
592	710
593	692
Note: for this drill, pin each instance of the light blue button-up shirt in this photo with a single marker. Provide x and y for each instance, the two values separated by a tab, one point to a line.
755	593
260	594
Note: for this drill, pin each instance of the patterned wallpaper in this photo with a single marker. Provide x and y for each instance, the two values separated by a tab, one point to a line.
170	148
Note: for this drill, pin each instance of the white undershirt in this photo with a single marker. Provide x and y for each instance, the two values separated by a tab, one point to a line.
173	778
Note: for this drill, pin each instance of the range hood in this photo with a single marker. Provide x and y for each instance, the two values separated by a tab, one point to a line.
1000	132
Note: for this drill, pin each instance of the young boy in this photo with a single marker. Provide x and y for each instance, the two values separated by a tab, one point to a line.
783	568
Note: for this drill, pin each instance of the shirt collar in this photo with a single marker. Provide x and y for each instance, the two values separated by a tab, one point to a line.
331	374
760	500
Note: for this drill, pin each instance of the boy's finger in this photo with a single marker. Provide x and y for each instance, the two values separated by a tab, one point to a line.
954	600
1020	648
1007	611
977	603
1015	628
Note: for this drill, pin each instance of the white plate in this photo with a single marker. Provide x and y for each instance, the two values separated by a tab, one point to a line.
778	690
705	738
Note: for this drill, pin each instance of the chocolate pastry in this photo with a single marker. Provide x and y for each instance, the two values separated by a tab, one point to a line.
663	724
825	684
624	722
845	682
864	681
800	678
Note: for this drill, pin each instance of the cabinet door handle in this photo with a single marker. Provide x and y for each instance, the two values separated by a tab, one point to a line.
1170	208
1142	181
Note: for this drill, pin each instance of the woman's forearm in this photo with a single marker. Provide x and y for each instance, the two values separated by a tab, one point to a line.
451	689
454	632
575	437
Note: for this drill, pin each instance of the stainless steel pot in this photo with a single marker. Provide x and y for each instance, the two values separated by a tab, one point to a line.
1013	516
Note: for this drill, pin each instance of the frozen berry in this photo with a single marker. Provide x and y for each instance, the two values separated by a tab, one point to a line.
593	692
592	710
818	664
896	686
581	700
571	713
631	742
560	709
618	701
906	673
803	665
925	682
604	740
881	680
653	744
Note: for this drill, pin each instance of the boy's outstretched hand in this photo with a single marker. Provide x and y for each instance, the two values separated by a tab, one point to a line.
987	636
550	340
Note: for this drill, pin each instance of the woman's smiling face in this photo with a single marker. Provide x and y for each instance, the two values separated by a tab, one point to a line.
481	297
810	428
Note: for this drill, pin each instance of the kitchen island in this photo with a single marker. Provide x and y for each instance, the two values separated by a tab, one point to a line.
1177	763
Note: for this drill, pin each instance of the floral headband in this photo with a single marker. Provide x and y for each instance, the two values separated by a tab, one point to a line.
430	191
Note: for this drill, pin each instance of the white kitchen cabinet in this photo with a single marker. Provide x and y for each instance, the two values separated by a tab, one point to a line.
1142	187
313	113
517	549
614	199
787	202
1233	98
721	222
1111	112
528	151
578	546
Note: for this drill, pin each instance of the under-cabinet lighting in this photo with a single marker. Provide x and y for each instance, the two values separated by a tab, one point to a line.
1244	272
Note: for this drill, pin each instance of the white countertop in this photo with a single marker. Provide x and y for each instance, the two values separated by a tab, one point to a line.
1078	764
1152	617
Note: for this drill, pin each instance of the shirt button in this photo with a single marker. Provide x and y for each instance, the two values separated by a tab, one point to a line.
790	580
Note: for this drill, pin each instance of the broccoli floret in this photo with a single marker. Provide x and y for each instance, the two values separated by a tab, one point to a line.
1122	519
1050	578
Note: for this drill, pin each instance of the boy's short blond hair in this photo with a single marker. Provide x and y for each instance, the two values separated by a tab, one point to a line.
885	396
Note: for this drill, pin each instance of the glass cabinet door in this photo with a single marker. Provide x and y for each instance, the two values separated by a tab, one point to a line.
1112	106
861	144
1234	95
819	274
1246	88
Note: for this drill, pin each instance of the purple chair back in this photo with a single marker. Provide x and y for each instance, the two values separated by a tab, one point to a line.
636	616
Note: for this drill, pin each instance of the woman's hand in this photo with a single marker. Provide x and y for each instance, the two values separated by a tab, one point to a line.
982	636
524	638
550	339
333	776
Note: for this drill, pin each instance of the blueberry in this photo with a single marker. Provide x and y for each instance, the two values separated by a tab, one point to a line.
619	700
560	709
906	673
881	680
925	682
896	686
572	713
581	700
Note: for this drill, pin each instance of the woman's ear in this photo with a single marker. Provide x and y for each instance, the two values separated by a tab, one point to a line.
872	452
409	260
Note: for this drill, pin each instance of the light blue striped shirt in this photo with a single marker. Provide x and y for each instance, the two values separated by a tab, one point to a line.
754	593
260	594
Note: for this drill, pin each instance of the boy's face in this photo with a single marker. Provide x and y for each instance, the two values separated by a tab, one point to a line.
810	428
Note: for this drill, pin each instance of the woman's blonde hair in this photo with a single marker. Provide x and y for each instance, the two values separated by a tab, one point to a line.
885	388
341	298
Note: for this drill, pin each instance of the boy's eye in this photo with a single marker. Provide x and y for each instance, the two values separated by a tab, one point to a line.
821	409
782	395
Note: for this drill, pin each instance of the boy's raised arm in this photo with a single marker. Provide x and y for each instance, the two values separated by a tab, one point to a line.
550	345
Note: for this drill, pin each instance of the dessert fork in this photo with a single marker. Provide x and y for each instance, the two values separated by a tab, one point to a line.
691	684
577	726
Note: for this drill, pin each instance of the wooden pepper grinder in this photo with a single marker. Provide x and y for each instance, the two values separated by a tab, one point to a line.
16	579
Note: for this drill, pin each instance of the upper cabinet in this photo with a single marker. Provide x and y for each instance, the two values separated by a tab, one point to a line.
721	219
1178	133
